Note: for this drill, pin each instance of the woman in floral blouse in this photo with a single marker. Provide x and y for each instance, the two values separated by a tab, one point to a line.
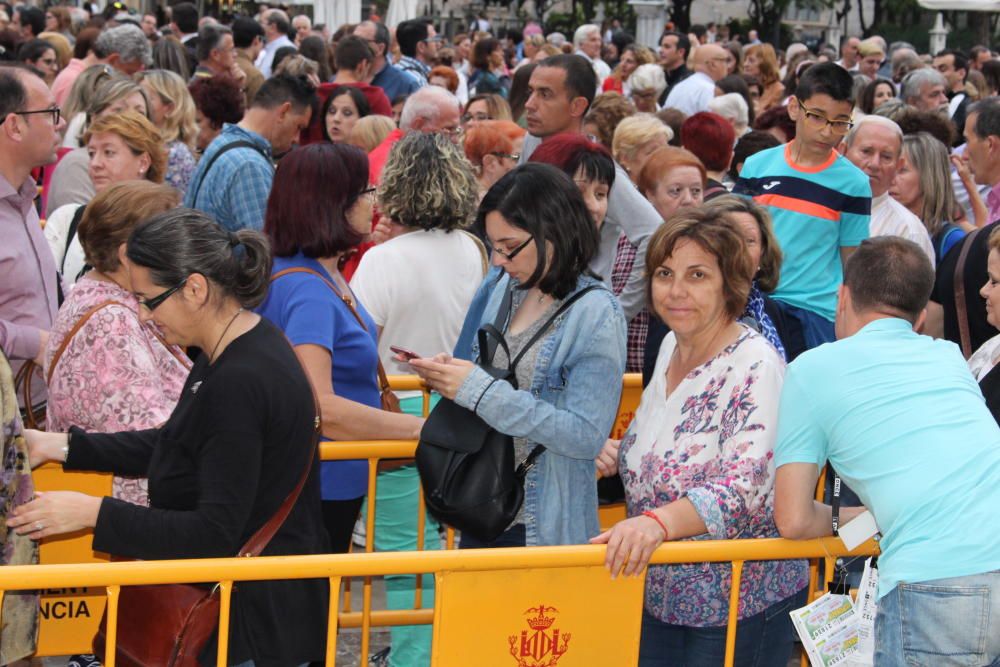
697	460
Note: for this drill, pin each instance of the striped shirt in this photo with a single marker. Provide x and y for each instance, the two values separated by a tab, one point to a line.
816	212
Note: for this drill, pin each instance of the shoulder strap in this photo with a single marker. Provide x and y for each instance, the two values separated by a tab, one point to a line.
483	255
259	540
383	379
72	332
548	323
961	310
71	234
225	149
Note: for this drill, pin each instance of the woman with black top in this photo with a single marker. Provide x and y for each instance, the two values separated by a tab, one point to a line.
232	450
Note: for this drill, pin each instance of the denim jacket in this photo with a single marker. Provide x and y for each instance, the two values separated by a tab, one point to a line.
570	408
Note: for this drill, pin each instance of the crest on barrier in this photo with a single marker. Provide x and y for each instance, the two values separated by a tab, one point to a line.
542	645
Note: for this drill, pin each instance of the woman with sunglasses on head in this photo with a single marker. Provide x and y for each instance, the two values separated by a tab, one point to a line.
569	381
239	442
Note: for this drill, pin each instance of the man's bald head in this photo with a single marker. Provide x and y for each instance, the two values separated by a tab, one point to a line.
711	59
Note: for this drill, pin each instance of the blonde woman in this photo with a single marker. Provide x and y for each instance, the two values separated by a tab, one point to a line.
122	147
370	131
636	138
171	109
761	62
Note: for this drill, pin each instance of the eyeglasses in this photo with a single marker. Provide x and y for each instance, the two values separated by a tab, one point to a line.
477	117
510	156
56	116
509	256
818	121
154	303
368	192
453	133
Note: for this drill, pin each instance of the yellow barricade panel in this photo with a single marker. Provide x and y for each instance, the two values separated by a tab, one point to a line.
537	618
69	616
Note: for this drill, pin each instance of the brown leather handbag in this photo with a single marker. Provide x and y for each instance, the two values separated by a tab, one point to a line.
169	625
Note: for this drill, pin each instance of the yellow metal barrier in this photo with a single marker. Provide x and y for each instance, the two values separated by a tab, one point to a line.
441	563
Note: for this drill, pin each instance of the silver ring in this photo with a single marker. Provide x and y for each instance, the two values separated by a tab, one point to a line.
39	525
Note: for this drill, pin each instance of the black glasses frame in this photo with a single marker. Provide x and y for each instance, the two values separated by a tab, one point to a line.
56	114
156	301
509	256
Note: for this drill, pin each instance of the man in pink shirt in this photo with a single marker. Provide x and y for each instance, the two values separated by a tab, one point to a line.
30	128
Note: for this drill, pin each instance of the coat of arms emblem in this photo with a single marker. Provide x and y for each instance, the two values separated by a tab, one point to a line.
541	645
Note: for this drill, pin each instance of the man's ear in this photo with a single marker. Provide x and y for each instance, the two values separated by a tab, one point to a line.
793	107
578	107
918	326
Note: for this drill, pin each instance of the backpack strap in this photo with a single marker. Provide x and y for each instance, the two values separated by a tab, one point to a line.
961	309
242	143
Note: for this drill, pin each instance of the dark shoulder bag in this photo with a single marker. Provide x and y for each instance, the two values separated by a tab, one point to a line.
466	466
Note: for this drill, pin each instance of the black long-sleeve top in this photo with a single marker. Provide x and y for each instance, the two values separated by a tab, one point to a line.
231	452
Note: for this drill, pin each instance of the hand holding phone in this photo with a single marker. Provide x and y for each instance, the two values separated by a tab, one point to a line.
404	353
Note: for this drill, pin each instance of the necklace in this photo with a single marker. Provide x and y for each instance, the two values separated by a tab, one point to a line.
211	357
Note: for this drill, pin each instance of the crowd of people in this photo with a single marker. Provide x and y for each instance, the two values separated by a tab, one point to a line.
214	228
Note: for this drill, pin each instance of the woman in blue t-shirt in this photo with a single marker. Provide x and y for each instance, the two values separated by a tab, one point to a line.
311	302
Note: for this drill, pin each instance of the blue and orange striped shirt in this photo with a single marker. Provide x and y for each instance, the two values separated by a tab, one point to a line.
816	212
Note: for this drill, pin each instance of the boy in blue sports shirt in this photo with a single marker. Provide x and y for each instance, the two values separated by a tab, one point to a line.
820	204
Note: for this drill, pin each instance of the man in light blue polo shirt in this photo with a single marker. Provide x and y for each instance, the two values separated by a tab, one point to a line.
902	420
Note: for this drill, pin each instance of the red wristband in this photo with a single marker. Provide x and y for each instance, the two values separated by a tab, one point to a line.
652	515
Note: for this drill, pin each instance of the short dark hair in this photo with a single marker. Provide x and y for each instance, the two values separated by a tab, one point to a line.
776	117
682	41
209	38
826	79
185	16
34	17
543	201
889	274
382	35
961	60
409	34
988	117
13	94
281	54
573	152
33	49
481	50
317	225
912	120
991	72
85	42
352	51
245	30
580	78
276	17
749	144
283	88
359	99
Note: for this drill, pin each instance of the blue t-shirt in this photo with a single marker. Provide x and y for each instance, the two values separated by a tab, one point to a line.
309	312
816	212
902	420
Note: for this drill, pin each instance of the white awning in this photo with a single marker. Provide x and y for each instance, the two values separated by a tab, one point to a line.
399	11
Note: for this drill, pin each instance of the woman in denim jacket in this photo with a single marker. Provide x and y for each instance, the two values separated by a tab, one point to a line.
570	381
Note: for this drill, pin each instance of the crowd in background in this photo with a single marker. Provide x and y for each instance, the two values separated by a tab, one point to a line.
182	194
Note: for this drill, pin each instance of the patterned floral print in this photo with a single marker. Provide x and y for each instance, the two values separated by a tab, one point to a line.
181	164
20	608
115	375
711	441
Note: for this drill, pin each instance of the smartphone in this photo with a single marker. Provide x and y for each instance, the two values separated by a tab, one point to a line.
403	352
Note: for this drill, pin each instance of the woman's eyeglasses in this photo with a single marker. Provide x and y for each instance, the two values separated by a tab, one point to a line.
154	303
510	156
509	256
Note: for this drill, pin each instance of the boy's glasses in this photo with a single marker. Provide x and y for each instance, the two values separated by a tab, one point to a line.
817	121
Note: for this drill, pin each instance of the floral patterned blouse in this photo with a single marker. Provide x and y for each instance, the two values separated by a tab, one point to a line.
181	164
711	441
115	375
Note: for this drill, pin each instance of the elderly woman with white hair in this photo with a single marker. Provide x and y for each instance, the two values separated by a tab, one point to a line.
587	42
647	83
733	108
636	138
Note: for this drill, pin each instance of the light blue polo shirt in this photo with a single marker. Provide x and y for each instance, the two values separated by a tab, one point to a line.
903	422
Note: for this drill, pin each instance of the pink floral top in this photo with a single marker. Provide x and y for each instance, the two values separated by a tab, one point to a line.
115	375
711	441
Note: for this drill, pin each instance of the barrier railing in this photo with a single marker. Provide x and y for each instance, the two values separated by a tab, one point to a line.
583	560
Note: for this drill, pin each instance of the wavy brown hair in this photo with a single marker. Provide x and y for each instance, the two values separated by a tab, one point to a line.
140	135
428	183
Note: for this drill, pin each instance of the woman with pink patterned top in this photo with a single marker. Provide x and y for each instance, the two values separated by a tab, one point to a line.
106	370
697	461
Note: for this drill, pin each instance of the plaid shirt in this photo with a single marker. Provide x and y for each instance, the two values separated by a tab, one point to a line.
414	68
638	328
235	191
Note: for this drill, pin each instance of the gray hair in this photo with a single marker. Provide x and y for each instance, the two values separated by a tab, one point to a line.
929	158
872	119
556	38
988	118
210	38
426	103
581	33
128	41
915	81
733	108
646	77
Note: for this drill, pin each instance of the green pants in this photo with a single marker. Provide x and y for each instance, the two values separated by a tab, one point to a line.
396	498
